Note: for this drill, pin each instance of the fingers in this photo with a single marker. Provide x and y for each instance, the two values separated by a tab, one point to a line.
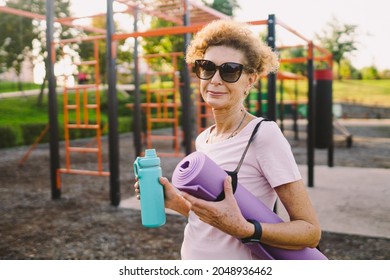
136	188
228	188
164	181
189	197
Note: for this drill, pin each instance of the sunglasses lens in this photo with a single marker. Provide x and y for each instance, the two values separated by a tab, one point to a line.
230	72
205	69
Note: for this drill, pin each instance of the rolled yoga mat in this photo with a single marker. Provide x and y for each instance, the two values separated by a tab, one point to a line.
201	177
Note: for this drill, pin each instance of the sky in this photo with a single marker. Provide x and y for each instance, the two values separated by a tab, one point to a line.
310	17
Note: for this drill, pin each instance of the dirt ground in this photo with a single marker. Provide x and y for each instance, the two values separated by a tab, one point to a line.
83	224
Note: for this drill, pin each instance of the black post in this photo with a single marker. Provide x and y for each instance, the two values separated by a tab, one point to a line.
324	114
203	111
295	111
259	112
310	117
330	154
271	86
281	105
187	106
53	112
113	139
137	93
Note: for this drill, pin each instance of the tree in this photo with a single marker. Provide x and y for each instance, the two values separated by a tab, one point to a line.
161	44
297	68
24	38
167	44
339	39
370	73
226	7
16	38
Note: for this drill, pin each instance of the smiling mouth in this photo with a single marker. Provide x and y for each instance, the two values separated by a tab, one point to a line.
215	93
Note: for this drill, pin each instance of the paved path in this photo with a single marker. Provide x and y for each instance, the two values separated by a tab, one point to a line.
347	199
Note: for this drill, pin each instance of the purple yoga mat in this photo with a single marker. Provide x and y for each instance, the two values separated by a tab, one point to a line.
201	177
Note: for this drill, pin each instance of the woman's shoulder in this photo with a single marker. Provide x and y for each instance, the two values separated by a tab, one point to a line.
263	123
268	130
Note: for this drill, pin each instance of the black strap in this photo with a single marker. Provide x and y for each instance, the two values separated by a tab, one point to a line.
233	174
247	145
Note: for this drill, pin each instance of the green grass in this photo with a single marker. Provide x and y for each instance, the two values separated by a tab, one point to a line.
16	111
366	92
12	86
21	110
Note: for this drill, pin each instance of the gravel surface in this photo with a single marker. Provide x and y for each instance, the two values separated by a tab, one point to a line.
83	224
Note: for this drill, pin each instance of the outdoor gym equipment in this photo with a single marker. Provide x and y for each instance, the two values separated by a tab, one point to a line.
78	111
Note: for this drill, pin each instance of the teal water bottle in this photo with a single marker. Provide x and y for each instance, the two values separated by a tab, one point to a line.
148	171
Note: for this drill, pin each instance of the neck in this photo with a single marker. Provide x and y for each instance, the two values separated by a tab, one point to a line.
227	121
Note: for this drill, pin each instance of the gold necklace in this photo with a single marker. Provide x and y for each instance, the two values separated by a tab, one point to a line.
238	127
210	138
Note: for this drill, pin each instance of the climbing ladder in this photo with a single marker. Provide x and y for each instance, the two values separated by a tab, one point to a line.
162	107
79	110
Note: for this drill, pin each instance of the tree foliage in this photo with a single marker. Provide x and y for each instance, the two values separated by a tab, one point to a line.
175	43
297	68
16	37
226	7
24	39
339	39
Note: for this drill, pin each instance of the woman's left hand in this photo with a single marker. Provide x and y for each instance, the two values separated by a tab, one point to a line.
224	215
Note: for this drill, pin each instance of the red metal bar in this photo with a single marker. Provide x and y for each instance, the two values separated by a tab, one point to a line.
37	140
288	28
82	106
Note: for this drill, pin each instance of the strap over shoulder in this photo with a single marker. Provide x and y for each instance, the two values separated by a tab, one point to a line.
247	145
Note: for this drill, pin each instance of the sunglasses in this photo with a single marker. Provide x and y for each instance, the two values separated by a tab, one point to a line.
230	72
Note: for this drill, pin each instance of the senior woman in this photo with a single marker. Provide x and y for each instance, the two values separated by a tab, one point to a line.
228	59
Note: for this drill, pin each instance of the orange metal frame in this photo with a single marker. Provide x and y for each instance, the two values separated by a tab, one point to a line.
162	106
82	107
171	10
32	147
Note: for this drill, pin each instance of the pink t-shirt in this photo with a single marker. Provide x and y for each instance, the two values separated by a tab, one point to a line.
268	163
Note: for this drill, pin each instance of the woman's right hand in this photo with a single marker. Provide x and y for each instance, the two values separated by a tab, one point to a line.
136	188
172	197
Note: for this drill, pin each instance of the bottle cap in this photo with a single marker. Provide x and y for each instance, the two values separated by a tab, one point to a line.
150	158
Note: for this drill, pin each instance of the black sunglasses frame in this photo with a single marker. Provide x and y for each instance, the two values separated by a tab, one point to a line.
199	65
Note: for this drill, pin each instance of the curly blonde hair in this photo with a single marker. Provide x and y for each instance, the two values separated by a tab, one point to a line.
259	57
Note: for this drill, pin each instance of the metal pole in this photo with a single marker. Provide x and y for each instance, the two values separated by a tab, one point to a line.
281	105
113	139
187	108
53	112
137	93
310	117
259	112
271	86
295	112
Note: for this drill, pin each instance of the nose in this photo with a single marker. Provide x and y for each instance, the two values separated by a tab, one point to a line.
216	79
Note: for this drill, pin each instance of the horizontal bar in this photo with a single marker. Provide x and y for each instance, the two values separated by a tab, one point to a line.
162	120
83	126
83	172
170	154
83	150
162	137
89	62
81	87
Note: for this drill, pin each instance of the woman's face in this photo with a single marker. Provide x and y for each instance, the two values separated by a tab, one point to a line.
217	93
